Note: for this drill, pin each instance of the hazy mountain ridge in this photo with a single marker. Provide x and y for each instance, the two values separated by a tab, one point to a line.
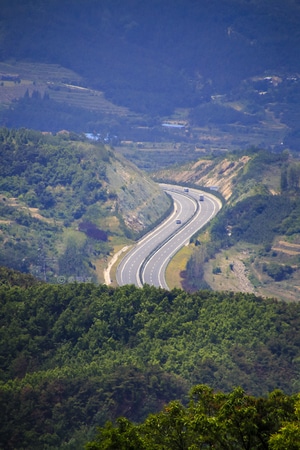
157	56
228	71
162	27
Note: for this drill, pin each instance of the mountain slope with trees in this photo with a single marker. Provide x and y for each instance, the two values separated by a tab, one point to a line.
77	355
66	201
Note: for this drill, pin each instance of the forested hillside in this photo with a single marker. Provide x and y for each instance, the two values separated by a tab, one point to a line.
67	201
213	421
77	355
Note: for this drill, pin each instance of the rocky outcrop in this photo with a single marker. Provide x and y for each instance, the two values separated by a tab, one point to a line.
140	201
209	173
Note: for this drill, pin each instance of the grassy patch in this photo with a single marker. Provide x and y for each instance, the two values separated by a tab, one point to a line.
69	233
176	266
100	266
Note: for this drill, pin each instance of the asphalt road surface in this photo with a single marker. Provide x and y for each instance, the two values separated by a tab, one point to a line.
147	261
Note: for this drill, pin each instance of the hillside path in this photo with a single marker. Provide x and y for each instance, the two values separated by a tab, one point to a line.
106	272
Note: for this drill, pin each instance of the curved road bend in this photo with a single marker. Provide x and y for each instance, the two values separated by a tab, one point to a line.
163	242
154	269
128	271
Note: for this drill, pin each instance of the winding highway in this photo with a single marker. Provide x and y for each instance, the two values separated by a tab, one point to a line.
147	261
